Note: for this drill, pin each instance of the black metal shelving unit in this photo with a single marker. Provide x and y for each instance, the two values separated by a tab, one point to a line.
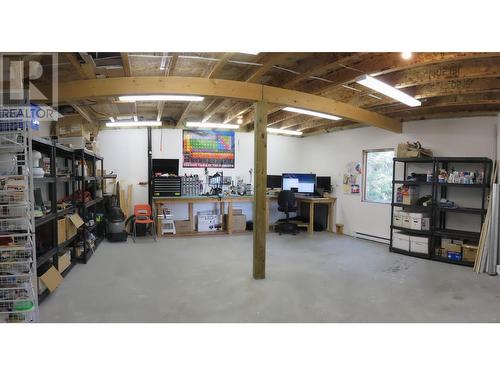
69	156
438	215
89	181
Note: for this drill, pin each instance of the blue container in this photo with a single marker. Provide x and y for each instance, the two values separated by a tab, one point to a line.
453	255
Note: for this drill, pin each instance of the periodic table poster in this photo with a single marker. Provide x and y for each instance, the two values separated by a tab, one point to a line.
208	148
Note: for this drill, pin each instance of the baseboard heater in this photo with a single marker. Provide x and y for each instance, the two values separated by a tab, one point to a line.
371	237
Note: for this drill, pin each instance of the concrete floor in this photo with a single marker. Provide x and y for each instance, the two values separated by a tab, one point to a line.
326	278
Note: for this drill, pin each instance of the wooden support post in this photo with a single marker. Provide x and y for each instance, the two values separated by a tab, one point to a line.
230	218
259	207
191	216
310	227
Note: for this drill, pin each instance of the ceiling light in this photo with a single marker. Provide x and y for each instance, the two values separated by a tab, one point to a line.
127	124
283	131
112	119
250	53
160	98
406	55
311	113
388	90
239	121
135	118
211	125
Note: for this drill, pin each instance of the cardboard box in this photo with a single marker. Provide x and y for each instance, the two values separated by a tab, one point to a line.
441	253
73	126
208	222
419	244
63	261
73	142
73	222
239	223
78	251
61	230
400	241
445	241
183	226
51	279
451	247
469	253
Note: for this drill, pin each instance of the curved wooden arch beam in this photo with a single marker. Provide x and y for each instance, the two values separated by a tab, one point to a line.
112	87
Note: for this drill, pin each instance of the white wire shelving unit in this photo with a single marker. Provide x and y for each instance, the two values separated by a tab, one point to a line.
18	279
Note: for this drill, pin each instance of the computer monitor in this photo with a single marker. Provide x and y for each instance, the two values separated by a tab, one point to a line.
163	166
300	182
324	182
273	181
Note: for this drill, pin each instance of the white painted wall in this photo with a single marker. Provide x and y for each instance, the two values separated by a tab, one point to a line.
125	152
328	154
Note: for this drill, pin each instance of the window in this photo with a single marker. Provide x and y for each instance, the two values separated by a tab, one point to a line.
377	185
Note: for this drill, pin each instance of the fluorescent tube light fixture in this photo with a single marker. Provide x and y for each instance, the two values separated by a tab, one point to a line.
112	119
210	125
160	98
131	124
311	113
283	131
388	90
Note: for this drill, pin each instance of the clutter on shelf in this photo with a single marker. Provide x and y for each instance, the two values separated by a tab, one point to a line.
412	150
460	177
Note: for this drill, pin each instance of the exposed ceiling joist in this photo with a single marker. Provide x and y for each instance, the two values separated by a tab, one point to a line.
127	70
268	61
168	72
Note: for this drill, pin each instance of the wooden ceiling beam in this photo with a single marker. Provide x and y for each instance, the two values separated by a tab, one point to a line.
75	62
243	91
89	66
127	69
477	68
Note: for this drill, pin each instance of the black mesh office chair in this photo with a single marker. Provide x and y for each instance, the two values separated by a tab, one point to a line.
286	204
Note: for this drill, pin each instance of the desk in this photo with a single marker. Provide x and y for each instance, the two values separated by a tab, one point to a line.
330	201
229	200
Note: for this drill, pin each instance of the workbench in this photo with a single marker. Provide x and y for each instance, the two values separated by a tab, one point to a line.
229	200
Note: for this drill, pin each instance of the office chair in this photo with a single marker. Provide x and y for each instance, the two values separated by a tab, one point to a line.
143	213
286	204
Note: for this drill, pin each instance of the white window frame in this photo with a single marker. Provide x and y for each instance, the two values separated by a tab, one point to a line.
365	173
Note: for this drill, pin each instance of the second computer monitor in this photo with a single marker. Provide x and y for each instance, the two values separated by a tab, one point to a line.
324	182
299	182
273	181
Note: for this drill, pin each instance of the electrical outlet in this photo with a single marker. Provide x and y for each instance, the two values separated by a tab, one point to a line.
498	269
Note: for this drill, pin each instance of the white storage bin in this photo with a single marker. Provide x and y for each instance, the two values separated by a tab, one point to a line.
419	244
401	241
406	220
420	223
397	219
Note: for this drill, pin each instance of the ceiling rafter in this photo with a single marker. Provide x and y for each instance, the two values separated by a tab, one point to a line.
172	64
212	73
268	61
